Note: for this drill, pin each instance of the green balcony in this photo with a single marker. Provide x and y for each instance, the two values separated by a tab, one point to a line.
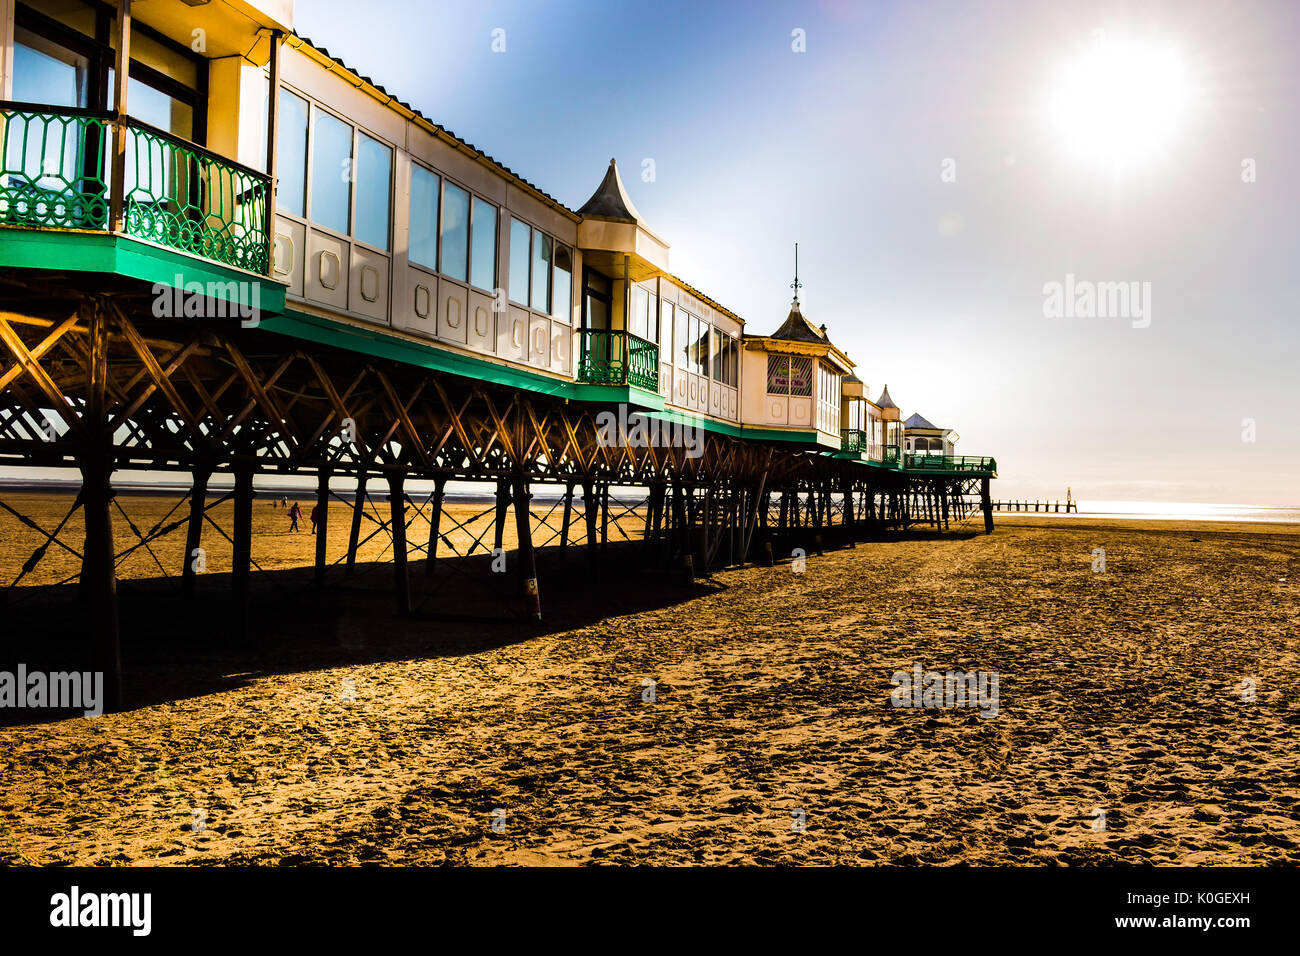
617	358
890	456
958	463
853	440
56	174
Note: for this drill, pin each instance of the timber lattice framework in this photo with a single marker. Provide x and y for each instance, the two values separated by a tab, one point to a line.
92	380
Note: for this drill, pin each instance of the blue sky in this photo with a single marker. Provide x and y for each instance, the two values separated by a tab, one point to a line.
934	287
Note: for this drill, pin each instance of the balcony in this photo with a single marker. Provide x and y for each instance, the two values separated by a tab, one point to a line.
54	174
889	456
617	358
968	463
853	440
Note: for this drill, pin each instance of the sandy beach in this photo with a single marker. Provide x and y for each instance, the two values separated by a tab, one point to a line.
1125	731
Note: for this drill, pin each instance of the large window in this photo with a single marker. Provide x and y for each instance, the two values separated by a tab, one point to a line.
291	164
455	231
563	296
483	245
596	295
726	358
331	176
541	294
789	375
640	324
520	244
374	182
424	218
666	330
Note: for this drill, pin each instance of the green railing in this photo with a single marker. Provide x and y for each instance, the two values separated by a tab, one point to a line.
53	167
617	358
181	196
951	463
854	440
174	193
889	455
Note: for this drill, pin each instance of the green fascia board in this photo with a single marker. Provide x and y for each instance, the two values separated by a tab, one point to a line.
676	417
105	254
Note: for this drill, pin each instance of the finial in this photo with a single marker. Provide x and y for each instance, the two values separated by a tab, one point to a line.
796	284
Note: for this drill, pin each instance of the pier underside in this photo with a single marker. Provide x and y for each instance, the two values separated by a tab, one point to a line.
93	383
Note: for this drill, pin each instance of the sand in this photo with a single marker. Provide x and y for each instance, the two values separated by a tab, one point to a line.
770	738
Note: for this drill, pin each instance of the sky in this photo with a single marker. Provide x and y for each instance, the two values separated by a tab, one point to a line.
940	164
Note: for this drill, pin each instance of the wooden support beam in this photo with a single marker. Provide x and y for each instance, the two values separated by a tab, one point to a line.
435	522
568	514
358	512
987	505
397	513
121	76
194	530
98	572
527	557
321	527
503	503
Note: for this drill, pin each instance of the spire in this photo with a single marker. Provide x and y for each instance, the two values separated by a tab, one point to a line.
796	284
610	200
884	401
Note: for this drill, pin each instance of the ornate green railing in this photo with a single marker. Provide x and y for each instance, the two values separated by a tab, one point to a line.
57	175
181	196
889	455
951	463
617	358
854	440
53	167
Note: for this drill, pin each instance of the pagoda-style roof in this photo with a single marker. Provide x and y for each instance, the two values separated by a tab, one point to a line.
610	200
884	401
919	421
797	328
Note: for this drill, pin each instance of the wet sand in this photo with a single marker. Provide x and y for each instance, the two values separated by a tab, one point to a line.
770	738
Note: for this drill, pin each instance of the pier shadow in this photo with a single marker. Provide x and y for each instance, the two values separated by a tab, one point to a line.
176	648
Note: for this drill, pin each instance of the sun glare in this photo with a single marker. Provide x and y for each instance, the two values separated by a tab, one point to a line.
1119	104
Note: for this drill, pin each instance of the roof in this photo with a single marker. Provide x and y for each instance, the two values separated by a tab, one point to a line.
852	379
411	109
610	200
919	421
884	401
797	328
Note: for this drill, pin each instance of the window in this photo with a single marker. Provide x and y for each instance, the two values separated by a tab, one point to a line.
789	375
291	166
455	231
564	282
683	340
483	245
374	182
666	330
331	187
424	218
46	72
640	313
521	238
596	299
541	295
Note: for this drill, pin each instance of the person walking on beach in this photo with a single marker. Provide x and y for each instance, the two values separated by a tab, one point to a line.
294	514
315	511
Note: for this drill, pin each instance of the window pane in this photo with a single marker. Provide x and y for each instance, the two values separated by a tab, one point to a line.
483	254
374	180
801	370
291	165
640	312
666	330
45	72
541	299
331	156
455	231
683	340
520	243
778	375
718	358
563	283
424	218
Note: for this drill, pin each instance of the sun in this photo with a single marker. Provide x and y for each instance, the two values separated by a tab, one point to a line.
1119	104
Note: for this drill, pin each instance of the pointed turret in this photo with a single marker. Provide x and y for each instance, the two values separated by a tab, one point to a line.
610	200
884	401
